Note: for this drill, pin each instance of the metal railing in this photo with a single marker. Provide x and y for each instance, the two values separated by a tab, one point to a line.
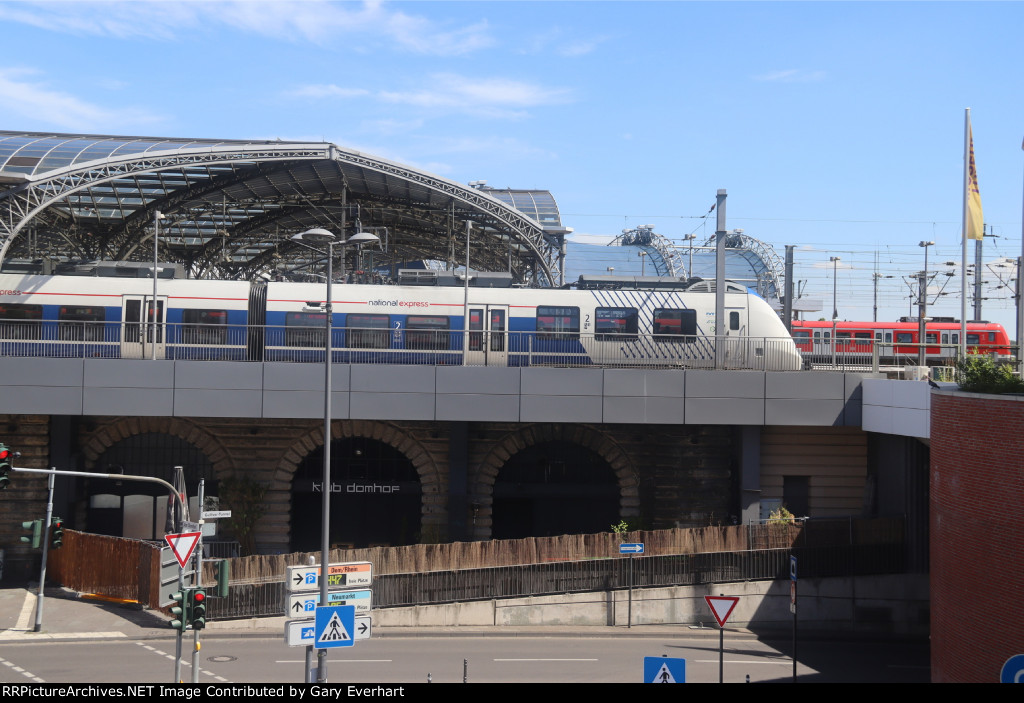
111	340
438	587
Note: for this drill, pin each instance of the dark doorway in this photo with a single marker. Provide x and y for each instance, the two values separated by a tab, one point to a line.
554	488
139	509
375	497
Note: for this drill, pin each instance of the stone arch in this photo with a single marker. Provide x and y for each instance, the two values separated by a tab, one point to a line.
514	442
434	513
113	432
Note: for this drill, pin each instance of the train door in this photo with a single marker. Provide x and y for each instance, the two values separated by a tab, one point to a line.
142	328
823	342
488	335
735	330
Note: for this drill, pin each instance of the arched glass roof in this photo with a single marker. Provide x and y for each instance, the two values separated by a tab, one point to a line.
231	206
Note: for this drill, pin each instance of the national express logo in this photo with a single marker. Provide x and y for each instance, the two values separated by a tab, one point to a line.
398	303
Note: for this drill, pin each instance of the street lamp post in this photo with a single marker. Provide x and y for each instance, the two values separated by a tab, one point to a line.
922	307
835	307
157	216
322	236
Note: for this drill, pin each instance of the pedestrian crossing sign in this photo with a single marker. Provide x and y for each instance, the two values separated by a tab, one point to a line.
335	625
664	670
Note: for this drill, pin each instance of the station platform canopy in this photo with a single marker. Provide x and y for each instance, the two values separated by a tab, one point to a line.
230	207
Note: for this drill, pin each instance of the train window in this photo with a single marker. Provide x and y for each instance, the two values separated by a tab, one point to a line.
734	321
19	321
991	336
842	335
931	338
426	332
206	327
80	322
497	335
557	322
973	338
956	338
888	337
862	335
680	324
817	336
802	336
304	329
904	337
878	336
615	324
476	324
368	331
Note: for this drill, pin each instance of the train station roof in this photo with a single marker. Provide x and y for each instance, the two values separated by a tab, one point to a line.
230	207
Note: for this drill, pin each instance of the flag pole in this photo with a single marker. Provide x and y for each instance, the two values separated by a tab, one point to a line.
963	237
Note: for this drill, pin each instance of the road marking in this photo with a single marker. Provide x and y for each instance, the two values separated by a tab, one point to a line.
339	661
18	636
21	671
545	660
26	611
184	661
778	662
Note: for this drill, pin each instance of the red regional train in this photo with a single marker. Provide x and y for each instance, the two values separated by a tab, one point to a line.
897	341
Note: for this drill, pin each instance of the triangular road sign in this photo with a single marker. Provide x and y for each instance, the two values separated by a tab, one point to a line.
722	607
183	545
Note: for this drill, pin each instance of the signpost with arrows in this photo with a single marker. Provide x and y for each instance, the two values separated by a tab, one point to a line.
339	622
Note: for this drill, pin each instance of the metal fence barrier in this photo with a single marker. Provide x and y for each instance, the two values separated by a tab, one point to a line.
437	587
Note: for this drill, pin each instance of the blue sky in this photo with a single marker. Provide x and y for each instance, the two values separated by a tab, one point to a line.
836	127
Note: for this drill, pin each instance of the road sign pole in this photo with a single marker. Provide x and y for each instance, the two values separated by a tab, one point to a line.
721	654
629	608
792	606
198	581
42	568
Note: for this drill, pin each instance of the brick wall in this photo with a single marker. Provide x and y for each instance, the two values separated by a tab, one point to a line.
977	534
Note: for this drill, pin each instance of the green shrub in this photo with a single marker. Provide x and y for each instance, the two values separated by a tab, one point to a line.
979	373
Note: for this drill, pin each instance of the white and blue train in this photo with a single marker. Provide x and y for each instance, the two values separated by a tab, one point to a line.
609	321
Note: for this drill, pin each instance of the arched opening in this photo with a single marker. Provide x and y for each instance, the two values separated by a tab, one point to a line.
376	497
137	509
554	488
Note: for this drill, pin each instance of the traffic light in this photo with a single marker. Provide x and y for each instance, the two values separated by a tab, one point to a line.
36	527
180	610
57	536
5	466
197	609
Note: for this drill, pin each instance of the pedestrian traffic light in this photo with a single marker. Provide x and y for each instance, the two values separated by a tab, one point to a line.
197	609
179	610
36	529
57	536
5	466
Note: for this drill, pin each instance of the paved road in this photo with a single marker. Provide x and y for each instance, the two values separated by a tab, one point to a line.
91	642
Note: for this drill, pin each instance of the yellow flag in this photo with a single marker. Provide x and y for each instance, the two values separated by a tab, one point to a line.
975	226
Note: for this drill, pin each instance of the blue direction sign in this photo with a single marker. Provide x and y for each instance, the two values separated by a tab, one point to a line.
631	548
664	670
300	604
1013	670
335	626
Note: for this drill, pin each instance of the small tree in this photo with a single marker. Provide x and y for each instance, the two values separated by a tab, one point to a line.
620	529
979	373
244	498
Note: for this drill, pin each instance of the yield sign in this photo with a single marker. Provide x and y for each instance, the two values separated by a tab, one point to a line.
183	545
722	607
